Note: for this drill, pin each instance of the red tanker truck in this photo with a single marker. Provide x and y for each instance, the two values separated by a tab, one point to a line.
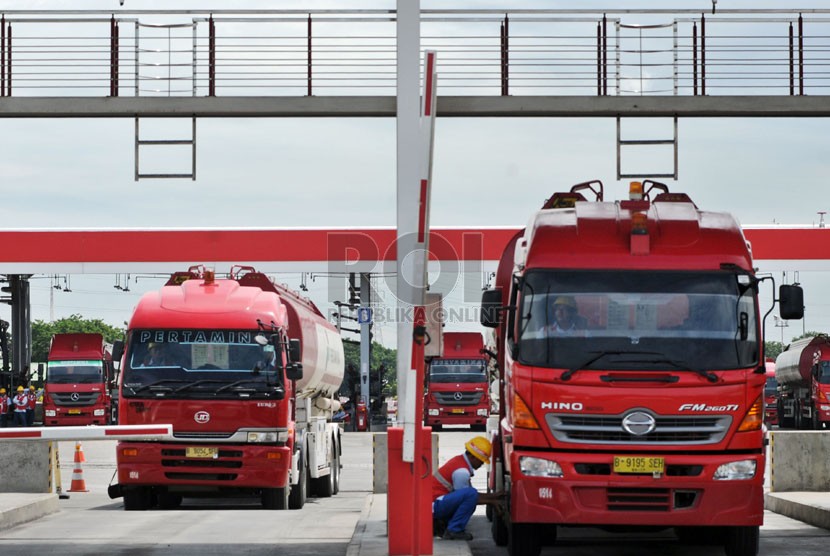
79	379
247	371
803	374
458	390
630	354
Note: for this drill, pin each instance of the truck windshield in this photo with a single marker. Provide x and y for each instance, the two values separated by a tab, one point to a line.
74	372
771	387
824	373
195	363
457	370
638	320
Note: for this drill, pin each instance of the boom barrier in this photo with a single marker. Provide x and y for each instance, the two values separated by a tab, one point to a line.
111	432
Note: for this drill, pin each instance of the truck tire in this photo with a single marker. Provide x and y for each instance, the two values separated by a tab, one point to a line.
335	470
498	529
275	498
138	499
324	486
524	539
742	541
299	493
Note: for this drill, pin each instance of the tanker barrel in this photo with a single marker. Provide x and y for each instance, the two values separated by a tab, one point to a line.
795	364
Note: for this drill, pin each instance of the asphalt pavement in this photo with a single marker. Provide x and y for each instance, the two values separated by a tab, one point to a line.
370	538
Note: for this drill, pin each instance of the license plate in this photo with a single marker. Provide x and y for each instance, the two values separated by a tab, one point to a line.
199	452
74	412
461	411
636	464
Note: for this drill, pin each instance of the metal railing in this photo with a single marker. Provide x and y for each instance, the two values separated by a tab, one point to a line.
352	52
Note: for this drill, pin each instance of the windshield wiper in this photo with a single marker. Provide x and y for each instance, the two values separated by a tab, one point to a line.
682	366
192	384
234	385
570	372
156	384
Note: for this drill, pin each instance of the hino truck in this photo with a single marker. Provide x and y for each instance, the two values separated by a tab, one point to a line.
247	372
79	379
631	370
803	374
458	390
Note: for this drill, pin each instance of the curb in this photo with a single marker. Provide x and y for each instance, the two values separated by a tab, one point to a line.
371	536
29	507
792	504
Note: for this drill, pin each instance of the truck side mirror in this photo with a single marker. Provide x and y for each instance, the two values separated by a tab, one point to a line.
294	350
294	371
791	302
491	308
117	350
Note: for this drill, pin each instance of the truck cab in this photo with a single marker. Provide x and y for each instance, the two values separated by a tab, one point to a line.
629	341
79	380
458	391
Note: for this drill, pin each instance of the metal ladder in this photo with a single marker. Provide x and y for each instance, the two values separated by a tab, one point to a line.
645	142
139	142
165	65
659	54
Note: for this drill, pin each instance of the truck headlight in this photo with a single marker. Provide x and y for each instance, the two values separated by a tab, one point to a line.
538	467
824	407
50	412
433	413
98	412
736	470
482	413
262	437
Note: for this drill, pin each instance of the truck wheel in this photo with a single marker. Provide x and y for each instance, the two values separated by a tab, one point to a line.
323	486
742	541
297	497
524	539
275	498
138	499
335	471
498	528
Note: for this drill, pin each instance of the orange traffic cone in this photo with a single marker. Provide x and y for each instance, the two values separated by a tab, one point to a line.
78	483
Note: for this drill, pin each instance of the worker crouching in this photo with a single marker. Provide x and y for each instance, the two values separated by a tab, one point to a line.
454	497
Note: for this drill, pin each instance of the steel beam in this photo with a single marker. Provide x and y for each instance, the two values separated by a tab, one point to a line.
447	106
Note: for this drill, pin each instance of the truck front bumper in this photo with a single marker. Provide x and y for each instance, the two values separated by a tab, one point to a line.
242	466
590	493
458	416
75	416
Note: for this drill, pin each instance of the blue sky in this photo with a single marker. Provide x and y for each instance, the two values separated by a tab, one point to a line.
341	172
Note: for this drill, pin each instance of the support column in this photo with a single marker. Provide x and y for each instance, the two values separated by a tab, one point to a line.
365	344
21	327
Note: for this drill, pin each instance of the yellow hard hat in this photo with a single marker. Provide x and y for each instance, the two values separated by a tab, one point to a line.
480	447
565	300
2	390
31	387
20	388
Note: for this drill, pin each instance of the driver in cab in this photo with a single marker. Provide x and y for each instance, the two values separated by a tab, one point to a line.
566	319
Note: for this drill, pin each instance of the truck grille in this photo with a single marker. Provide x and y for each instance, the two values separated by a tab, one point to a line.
178	467
649	499
203	435
84	398
458	398
608	429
